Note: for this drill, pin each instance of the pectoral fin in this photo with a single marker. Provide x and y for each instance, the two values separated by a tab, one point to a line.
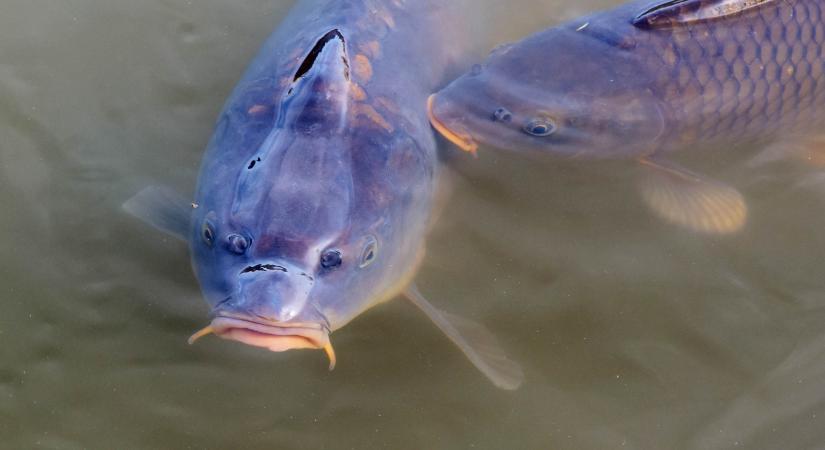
814	151
808	150
477	343
163	209
692	201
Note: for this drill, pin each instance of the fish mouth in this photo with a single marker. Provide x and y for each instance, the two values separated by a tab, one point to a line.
460	138
276	337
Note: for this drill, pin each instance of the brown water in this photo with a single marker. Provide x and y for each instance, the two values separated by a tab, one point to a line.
633	334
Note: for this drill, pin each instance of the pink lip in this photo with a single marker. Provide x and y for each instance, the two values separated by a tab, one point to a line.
275	337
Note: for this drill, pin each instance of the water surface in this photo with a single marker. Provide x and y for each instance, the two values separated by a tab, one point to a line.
633	333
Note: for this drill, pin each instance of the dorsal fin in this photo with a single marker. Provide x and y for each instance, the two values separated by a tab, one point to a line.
673	13
318	98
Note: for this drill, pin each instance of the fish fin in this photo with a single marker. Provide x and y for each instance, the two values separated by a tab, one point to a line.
778	151
808	150
692	201
813	151
475	341
163	209
674	13
445	186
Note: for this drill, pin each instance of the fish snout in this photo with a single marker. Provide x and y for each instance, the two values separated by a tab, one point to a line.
270	308
273	292
447	123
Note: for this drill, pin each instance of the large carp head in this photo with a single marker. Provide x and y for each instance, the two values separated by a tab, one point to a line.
566	91
298	227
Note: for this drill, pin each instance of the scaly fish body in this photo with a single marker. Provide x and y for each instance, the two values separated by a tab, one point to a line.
755	76
646	79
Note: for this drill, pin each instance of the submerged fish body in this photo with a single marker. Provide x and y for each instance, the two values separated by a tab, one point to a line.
316	189
647	79
321	168
634	80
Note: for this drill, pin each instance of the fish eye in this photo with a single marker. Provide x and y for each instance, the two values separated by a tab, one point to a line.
502	115
370	252
540	127
331	259
208	233
237	244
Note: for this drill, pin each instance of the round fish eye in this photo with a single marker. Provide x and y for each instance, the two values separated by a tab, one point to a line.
331	259
370	252
208	233
237	244
502	115
540	127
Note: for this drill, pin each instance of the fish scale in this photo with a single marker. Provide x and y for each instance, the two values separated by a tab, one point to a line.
749	77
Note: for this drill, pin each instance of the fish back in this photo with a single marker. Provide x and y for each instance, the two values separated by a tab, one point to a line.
754	74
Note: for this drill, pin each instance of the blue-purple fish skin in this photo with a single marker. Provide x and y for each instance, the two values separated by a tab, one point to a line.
649	78
317	188
323	148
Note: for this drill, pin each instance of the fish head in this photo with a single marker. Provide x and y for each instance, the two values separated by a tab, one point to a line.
561	91
299	231
294	248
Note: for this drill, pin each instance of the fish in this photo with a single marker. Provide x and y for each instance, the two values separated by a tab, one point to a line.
647	80
317	188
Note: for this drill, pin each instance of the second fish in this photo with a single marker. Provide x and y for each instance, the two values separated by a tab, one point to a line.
642	81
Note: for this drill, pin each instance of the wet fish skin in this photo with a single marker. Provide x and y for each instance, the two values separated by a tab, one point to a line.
323	146
613	88
317	188
645	80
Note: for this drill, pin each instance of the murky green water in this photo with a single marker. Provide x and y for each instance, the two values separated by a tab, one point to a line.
633	334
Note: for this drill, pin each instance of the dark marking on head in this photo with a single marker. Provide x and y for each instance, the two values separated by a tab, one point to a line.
252	164
264	268
309	61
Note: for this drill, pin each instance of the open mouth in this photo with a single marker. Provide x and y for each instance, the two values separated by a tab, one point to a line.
460	139
276	337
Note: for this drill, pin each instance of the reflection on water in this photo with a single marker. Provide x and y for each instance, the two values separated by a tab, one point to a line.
633	333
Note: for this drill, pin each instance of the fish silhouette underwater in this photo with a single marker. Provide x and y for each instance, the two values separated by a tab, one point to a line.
317	188
645	80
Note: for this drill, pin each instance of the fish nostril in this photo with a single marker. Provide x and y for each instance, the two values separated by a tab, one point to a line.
502	115
237	244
